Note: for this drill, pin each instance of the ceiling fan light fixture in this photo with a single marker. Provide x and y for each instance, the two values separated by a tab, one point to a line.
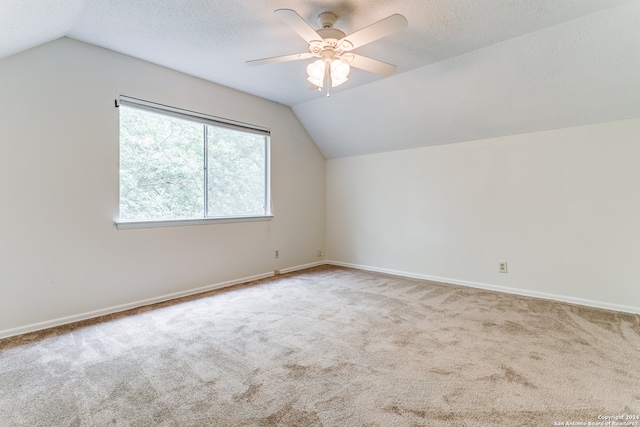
339	72
316	72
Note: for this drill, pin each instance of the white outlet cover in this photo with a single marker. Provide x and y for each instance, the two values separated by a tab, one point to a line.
502	266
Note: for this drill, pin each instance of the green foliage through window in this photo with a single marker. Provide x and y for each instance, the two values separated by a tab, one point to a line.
175	168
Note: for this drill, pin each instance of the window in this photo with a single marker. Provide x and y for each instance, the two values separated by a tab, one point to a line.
177	166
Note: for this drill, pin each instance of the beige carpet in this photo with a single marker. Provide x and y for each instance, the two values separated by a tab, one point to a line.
329	346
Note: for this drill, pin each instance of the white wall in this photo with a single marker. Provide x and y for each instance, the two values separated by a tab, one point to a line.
562	207
60	255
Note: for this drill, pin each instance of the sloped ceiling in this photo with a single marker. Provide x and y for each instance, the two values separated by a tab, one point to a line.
466	69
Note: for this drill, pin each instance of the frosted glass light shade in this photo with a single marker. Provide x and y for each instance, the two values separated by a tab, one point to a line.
339	72
315	72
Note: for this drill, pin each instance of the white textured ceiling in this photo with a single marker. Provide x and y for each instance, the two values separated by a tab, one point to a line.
466	69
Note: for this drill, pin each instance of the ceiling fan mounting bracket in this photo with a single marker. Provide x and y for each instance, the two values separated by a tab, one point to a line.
327	19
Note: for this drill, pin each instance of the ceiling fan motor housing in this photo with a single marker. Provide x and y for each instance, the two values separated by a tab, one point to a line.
332	44
331	34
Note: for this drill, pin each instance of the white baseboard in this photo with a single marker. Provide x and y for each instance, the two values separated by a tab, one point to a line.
523	292
302	267
124	307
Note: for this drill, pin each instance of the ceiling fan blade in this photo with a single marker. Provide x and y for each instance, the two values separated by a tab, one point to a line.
378	30
369	64
283	58
297	24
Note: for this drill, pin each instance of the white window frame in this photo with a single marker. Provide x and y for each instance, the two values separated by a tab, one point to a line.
208	120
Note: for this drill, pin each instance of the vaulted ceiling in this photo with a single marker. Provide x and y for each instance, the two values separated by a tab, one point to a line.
466	69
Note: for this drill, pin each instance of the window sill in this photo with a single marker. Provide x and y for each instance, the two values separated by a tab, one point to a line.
155	223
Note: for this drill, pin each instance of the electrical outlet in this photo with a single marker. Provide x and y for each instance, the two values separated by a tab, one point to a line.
502	266
319	251
276	254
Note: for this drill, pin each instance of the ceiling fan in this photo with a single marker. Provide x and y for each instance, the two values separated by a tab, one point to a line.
333	47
